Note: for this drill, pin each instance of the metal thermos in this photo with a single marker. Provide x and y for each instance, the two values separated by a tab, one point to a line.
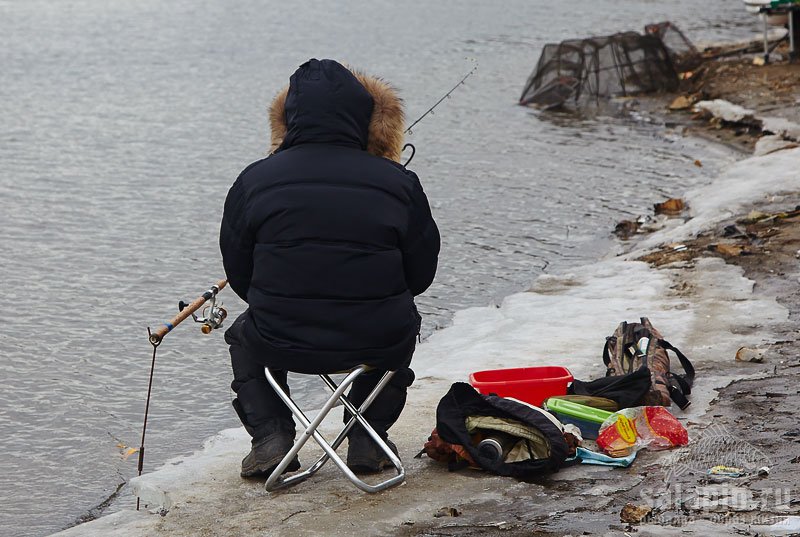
496	446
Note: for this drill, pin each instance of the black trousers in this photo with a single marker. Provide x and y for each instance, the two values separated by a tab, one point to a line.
262	412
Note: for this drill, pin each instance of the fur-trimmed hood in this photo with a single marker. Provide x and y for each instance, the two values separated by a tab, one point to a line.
326	102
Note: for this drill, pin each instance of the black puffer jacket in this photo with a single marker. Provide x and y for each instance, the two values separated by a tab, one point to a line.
326	242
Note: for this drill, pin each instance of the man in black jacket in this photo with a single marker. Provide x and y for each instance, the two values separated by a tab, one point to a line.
327	240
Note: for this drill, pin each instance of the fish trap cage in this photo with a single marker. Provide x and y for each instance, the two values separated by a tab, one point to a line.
583	71
682	52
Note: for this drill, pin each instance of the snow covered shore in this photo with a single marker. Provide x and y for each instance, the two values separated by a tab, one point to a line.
562	320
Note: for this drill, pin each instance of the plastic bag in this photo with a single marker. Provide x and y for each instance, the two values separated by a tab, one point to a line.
631	429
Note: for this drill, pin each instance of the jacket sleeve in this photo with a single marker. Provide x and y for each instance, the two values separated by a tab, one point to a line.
236	241
421	244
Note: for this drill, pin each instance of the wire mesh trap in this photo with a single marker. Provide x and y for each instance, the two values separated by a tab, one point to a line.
682	52
583	71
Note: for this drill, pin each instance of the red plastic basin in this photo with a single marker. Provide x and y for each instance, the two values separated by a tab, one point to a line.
530	384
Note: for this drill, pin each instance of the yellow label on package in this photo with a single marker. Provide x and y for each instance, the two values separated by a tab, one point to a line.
626	429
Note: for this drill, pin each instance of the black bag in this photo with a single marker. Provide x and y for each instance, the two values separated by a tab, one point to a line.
463	401
627	390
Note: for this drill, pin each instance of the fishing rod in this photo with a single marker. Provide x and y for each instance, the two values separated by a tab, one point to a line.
432	108
437	103
216	314
213	319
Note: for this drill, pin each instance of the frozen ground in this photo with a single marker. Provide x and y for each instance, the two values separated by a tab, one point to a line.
562	320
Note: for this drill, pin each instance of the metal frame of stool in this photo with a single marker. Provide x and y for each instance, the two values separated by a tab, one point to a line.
277	481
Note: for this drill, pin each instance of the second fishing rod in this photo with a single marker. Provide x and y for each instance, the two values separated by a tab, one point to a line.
431	111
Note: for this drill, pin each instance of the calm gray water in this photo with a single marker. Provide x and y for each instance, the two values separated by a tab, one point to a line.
124	122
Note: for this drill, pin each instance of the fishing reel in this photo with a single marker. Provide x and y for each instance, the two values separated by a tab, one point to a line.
213	314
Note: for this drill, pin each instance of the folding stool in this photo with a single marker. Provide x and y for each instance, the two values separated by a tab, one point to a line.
277	480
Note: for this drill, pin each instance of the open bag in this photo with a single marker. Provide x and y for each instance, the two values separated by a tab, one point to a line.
465	416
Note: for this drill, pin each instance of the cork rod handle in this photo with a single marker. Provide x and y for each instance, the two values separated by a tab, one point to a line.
157	335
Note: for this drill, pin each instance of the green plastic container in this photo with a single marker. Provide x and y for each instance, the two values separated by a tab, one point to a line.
586	418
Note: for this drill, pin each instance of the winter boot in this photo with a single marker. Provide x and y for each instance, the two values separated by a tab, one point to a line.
267	453
363	454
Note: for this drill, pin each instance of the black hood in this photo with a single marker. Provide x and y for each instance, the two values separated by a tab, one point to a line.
326	104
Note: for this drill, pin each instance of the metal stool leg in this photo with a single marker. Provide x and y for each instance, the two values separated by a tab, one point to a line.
276	480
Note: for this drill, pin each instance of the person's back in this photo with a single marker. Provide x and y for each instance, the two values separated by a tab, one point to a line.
327	240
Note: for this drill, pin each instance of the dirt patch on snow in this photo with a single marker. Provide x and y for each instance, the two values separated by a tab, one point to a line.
759	235
772	89
769	90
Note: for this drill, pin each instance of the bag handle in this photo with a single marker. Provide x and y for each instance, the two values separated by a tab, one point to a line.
684	382
621	328
685	363
606	356
677	396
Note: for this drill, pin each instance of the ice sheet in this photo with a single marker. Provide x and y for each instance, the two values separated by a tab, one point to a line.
742	184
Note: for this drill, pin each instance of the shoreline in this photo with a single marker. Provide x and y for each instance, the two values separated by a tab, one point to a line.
203	494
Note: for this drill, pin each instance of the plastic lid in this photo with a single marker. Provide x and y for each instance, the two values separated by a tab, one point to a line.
575	410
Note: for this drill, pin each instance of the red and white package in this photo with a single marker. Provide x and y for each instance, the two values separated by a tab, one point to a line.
631	429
